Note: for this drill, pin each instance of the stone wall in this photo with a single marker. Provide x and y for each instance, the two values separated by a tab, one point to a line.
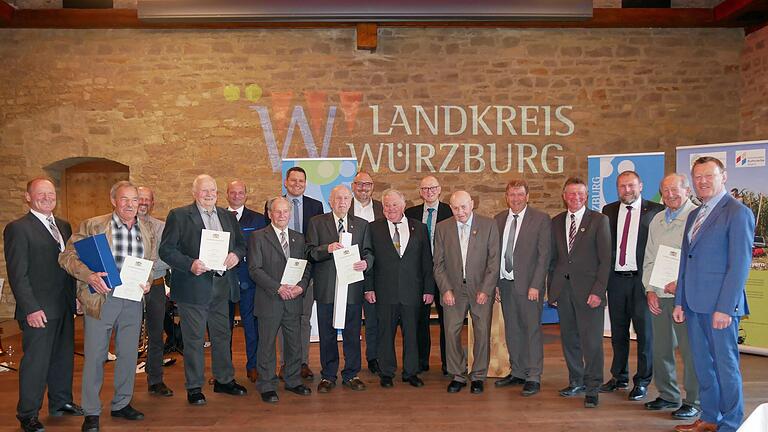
173	104
754	76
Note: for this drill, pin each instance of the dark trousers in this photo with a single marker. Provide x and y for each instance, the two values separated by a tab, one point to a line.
290	326
627	303
329	347
581	333
371	331
389	318
154	316
48	361
424	337
250	324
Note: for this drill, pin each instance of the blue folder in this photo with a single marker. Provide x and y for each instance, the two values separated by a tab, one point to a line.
95	253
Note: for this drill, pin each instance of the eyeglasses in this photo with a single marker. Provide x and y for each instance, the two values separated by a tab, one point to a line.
430	188
364	184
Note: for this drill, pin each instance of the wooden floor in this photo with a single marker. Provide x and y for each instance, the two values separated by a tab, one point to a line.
402	408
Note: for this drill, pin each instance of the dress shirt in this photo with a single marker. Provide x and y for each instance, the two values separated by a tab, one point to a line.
706	208
44	219
505	239
403	229
667	233
298	210
634	226
579	214
214	223
424	218
468	232
365	212
125	241
344	222
238	212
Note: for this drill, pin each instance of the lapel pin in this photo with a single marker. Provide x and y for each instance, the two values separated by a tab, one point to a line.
583	229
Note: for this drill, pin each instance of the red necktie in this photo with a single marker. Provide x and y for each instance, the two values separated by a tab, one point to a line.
624	235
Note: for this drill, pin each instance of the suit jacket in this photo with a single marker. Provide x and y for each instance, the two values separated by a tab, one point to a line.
715	266
310	208
266	262
32	261
648	210
180	247
588	265
530	259
482	256
378	209
416	212
401	280
250	221
322	232
70	261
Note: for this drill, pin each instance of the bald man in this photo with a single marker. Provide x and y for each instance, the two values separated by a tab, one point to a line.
466	267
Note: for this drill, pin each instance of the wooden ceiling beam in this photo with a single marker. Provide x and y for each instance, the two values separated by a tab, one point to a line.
367	36
6	12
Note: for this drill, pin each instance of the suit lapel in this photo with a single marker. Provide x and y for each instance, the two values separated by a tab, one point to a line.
522	238
42	230
711	218
586	219
274	241
411	238
194	215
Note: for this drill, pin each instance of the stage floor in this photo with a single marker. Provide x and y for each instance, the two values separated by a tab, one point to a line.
402	408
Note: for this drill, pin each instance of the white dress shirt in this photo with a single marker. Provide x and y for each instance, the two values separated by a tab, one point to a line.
579	215
403	229
44	219
365	212
505	239
238	211
634	227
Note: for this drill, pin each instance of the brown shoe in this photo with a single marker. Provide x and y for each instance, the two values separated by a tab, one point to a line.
306	372
211	380
253	375
697	426
354	384
280	373
325	386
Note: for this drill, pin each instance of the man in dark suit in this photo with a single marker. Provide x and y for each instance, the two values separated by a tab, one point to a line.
430	212
202	294
250	221
324	236
629	219
711	297
278	305
363	206
402	283
45	304
466	266
304	209
525	243
578	277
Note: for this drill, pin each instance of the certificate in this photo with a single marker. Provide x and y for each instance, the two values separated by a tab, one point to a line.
135	271
294	271
344	259
665	267
214	248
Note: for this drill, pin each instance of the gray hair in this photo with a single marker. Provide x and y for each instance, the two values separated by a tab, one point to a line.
682	178
202	177
121	184
272	200
394	192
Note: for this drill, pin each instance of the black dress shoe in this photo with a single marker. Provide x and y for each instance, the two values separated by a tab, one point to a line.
686	412
530	388
638	392
414	380
270	397
31	424
129	413
386	382
476	387
69	409
90	424
572	391
590	401
509	380
232	388
160	389
456	386
300	390
659	404
354	383
195	397
612	385
373	366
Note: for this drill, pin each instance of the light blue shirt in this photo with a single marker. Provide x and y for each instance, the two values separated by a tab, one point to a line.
298	211
706	209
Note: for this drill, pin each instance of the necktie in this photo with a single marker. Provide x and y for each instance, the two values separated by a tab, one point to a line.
234	213
430	212
213	223
284	244
508	254
464	243
341	226
296	221
571	232
699	221
396	238
624	235
54	230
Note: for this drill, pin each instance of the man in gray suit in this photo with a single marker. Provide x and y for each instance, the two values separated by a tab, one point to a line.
202	294
526	240
277	305
466	267
578	277
324	236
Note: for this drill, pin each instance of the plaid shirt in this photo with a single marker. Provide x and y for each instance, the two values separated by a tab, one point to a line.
125	242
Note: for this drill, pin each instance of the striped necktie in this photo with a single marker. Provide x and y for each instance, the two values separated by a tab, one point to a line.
699	221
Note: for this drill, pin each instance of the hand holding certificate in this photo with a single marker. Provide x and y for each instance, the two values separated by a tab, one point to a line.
134	274
665	267
293	272
214	248
345	260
